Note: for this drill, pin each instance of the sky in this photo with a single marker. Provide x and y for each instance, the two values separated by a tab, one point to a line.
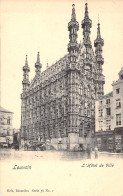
29	26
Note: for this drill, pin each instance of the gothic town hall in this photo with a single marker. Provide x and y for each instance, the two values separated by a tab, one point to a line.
59	103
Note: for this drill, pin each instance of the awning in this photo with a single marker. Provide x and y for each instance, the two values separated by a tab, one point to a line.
117	129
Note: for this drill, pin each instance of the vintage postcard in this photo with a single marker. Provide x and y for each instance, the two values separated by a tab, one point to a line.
61	88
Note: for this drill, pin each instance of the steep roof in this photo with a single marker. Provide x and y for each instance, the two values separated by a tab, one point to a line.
110	94
4	110
61	65
50	71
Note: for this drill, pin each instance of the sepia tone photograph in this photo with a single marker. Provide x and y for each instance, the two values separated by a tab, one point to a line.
61	97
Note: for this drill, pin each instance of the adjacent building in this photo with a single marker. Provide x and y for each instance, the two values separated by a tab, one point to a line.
16	136
6	126
59	103
109	118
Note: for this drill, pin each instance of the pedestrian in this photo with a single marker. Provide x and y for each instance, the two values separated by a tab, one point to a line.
96	152
18	146
88	150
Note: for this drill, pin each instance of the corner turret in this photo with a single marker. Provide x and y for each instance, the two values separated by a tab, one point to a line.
38	65
73	27
86	25
98	43
26	70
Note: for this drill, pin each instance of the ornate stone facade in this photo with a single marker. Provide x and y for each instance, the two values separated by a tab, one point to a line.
59	103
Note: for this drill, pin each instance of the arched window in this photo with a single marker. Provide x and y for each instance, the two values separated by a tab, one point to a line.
88	92
81	129
80	89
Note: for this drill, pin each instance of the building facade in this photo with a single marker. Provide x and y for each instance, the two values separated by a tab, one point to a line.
109	118
6	126
59	103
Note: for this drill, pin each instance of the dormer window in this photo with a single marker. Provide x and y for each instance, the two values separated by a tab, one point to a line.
121	74
117	90
121	77
107	101
8	121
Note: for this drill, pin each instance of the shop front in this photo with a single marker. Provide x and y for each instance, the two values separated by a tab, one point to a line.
105	141
118	132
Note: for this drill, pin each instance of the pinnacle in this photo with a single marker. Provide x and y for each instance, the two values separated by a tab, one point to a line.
86	9
73	16
26	61
98	31
38	57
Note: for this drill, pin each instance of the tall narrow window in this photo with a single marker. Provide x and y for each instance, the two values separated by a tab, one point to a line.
108	111
80	89
8	121
100	125
118	119
118	103
108	124
100	112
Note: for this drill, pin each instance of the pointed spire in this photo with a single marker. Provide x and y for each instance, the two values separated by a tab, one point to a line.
98	39
86	25
98	18
86	10
47	66
98	31
98	44
38	58
26	61
26	66
73	27
26	71
38	64
73	16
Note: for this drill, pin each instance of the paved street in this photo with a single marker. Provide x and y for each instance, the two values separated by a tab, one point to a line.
56	155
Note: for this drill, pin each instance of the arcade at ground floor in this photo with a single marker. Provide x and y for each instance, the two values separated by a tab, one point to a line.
72	143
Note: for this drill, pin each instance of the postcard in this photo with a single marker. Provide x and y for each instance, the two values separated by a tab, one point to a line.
61	112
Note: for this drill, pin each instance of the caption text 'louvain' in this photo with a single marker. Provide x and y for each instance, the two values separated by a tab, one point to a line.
22	167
